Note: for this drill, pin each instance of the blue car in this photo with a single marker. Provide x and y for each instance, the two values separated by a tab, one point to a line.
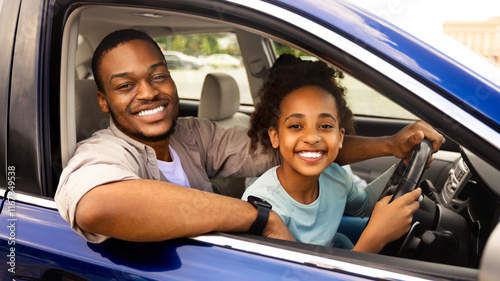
48	100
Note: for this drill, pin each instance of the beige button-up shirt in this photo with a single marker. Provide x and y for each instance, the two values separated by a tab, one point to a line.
205	150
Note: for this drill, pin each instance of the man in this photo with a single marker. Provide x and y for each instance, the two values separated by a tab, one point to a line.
115	185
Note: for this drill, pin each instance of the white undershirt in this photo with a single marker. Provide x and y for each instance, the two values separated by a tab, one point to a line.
173	171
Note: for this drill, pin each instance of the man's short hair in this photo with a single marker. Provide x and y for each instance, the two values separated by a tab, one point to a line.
110	42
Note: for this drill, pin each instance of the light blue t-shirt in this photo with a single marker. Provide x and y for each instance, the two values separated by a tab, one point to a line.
317	223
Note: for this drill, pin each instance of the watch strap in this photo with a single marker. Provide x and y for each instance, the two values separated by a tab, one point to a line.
263	210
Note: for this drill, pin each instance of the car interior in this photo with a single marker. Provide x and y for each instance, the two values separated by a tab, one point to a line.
226	96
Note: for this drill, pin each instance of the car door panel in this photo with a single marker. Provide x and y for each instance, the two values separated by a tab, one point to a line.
8	22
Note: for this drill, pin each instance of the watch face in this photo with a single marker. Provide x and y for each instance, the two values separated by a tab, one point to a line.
258	201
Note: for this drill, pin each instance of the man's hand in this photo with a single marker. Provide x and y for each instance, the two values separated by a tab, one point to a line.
400	145
411	135
276	228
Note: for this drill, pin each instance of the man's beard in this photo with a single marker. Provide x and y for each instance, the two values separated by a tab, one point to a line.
158	138
140	136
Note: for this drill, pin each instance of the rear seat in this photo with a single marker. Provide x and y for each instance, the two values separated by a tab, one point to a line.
219	102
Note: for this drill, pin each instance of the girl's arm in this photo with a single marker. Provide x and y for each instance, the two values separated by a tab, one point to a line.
388	222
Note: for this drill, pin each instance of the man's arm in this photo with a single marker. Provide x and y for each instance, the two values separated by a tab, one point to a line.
400	145
149	210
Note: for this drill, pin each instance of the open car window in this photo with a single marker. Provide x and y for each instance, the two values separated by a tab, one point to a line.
191	56
362	99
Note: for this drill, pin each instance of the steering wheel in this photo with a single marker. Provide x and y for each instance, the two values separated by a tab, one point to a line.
406	177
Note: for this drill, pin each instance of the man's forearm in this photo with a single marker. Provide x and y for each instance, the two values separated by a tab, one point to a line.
400	145
356	148
148	210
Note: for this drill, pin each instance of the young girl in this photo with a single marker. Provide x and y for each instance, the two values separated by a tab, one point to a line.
303	113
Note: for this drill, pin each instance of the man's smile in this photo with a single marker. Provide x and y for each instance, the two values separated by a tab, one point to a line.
152	111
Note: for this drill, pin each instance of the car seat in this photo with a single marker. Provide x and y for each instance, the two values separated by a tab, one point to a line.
89	117
219	102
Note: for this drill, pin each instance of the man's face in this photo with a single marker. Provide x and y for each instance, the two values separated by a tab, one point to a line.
139	92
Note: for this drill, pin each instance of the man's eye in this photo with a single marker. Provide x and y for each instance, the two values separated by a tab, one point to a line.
160	77
124	86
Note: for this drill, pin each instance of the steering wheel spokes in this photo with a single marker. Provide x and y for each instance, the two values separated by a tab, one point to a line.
412	175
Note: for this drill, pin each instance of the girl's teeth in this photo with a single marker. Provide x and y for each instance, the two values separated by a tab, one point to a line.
311	154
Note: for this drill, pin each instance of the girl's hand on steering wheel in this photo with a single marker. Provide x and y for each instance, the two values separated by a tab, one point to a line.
388	222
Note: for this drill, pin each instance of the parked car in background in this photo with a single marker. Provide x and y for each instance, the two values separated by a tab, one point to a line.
176	60
222	60
49	103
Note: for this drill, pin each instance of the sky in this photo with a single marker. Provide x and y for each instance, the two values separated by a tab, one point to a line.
419	16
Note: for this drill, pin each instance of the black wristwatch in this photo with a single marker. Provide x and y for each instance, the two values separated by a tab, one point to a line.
263	209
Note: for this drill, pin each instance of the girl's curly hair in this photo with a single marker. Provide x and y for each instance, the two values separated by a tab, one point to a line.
290	73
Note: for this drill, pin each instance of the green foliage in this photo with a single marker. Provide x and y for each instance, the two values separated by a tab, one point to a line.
201	44
284	49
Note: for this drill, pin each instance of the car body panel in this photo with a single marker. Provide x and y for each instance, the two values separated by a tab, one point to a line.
24	103
8	23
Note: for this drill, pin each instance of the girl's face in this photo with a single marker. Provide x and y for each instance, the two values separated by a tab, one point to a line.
308	134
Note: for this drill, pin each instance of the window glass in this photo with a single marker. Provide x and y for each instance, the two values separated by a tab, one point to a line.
362	99
190	57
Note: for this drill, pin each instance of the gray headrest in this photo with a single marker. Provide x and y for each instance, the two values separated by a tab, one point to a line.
220	97
89	116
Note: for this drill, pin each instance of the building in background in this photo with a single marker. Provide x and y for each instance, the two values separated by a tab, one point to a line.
482	37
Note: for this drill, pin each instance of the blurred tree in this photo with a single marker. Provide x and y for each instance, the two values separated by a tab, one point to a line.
284	49
198	44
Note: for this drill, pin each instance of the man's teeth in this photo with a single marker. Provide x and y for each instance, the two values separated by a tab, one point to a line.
311	154
152	111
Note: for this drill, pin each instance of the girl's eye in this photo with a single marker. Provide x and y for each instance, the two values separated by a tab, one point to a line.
294	126
326	126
